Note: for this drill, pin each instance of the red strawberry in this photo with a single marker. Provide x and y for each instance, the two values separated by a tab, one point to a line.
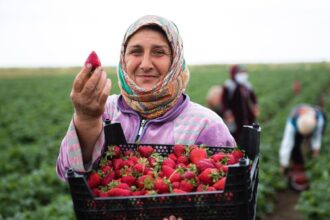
203	164
139	168
129	180
128	163
181	165
94	180
182	159
125	171
129	153
113	152
238	154
231	159
107	179
187	186
209	176
134	159
123	186
197	154
211	188
218	156
103	194
106	170
220	184
172	174
94	60
224	169
172	156
145	151
167	171
118	173
178	191
179	150
175	177
201	188
152	161
145	182
118	163
221	167
189	175
161	186
139	193
169	162
176	185
119	192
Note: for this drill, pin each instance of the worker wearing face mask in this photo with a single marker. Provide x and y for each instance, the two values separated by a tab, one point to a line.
239	102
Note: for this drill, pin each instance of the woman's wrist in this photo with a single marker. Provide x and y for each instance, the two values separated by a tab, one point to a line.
86	122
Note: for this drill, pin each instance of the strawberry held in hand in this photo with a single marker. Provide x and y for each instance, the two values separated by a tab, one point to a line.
94	60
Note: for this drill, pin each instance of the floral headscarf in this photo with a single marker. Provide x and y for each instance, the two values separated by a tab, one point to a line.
165	94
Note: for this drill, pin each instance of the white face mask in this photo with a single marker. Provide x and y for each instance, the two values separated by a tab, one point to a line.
241	78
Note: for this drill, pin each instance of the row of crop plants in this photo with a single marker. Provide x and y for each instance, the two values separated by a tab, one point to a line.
35	112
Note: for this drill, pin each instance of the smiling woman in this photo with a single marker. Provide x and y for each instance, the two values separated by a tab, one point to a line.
152	107
148	57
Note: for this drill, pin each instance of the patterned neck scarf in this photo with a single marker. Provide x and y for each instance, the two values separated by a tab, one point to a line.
165	94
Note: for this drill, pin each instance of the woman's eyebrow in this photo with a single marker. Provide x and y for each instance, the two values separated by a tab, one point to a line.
162	46
134	46
157	46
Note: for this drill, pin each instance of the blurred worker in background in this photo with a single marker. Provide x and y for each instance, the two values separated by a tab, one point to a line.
213	99
304	128
239	104
296	87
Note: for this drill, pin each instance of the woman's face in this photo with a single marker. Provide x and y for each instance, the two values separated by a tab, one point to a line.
147	57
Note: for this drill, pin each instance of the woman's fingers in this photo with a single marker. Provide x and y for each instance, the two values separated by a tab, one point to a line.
105	92
81	78
101	83
91	83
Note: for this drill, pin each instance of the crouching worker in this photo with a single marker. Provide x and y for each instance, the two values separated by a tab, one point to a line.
303	133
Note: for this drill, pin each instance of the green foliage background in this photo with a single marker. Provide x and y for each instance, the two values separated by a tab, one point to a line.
35	112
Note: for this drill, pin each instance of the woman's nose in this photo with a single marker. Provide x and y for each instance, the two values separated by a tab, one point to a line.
146	63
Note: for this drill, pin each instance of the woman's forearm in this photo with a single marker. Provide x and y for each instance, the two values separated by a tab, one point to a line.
88	132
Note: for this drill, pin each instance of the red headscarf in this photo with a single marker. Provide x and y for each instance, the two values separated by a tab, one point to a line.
234	69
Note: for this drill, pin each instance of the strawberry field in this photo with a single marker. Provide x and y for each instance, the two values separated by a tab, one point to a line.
35	111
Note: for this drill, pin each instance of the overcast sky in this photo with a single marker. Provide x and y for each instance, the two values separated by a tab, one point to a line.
63	32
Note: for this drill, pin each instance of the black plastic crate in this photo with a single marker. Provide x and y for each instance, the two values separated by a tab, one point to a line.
236	202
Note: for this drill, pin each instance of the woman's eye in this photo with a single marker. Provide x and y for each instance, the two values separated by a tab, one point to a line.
135	52
159	52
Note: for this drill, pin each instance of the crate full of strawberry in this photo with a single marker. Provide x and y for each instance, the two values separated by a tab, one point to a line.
133	181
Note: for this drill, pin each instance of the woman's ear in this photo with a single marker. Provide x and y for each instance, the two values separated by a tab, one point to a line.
123	67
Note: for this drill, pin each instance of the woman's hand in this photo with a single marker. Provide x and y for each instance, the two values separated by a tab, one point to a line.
89	93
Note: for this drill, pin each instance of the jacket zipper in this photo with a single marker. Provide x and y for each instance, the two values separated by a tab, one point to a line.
142	125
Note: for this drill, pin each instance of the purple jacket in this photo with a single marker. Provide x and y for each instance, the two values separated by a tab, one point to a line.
186	123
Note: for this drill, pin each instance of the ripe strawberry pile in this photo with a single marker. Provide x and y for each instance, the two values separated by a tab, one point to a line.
145	172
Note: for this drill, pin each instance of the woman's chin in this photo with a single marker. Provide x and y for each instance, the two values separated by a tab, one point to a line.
147	85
